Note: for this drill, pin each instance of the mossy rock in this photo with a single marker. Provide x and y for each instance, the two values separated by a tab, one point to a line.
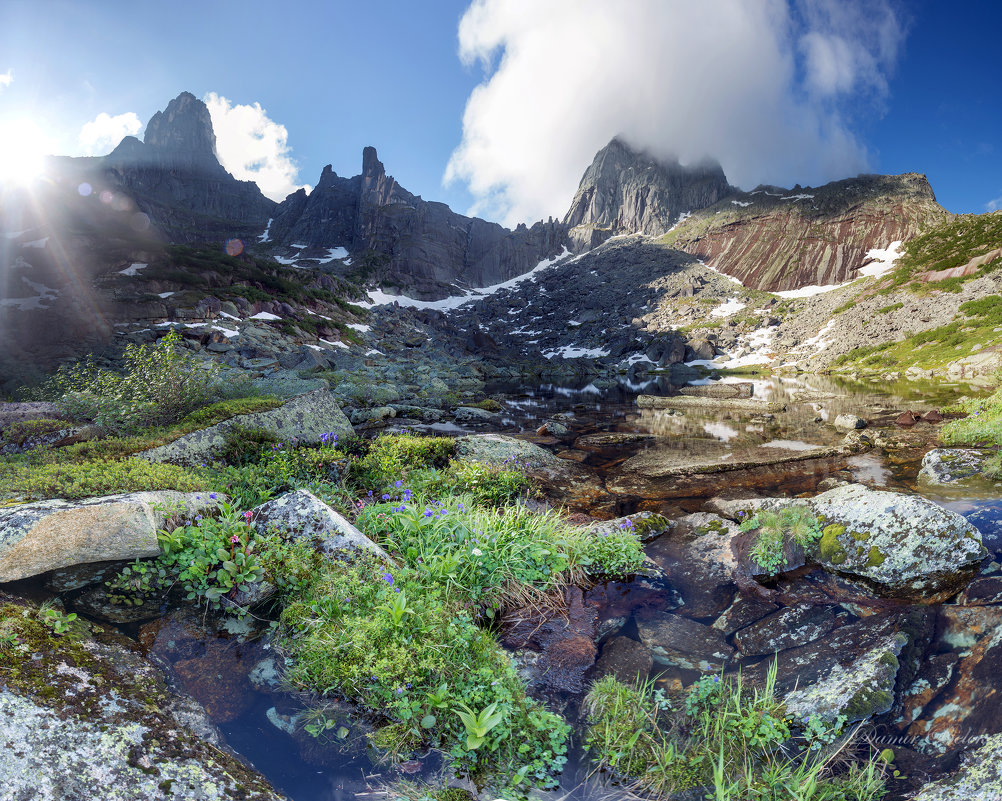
87	716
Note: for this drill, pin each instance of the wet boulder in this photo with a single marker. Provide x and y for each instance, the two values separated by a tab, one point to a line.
54	534
646	526
905	545
789	627
949	465
87	716
849	422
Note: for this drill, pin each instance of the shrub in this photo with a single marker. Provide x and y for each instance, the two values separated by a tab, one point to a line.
159	386
392	456
488	484
22	431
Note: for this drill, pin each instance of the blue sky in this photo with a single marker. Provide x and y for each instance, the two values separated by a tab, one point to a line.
916	92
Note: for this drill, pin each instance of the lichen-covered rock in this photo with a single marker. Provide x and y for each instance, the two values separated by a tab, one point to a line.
949	465
684	643
980	779
48	535
858	691
306	417
88	717
302	515
906	545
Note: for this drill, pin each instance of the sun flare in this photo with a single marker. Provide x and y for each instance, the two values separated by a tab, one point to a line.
22	151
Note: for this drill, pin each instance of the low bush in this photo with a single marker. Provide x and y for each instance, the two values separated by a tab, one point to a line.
159	386
22	431
392	456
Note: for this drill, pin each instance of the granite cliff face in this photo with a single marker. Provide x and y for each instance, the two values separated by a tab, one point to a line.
625	191
404	241
175	177
779	239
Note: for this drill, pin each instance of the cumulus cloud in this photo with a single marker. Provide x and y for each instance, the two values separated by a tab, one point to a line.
994	204
253	147
6	79
104	132
768	88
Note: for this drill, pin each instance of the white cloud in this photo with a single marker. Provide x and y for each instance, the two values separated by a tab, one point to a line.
6	79
994	204
253	147
103	133
768	88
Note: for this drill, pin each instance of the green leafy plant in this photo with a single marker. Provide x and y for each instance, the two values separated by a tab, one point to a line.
796	523
479	724
58	621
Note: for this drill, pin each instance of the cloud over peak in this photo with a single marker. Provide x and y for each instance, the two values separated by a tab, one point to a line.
104	132
253	147
767	88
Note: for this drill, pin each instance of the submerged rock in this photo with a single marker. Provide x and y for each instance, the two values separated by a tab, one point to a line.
675	640
626	659
306	417
50	535
906	545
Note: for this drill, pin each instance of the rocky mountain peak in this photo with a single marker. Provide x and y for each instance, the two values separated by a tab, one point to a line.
372	167
184	128
626	190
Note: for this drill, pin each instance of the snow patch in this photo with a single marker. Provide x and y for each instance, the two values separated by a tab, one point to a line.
359	327
575	352
379	298
809	291
167	295
335	253
727	308
228	316
38	243
341	345
742	203
132	269
227	332
264	316
265	237
796	197
883	260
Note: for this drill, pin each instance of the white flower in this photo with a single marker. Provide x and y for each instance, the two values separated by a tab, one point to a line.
477	552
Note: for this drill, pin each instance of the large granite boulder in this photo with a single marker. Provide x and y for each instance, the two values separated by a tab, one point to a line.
906	545
49	535
306	417
86	716
302	515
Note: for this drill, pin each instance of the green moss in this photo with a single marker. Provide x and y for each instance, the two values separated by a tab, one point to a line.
868	702
876	557
831	549
224	410
860	536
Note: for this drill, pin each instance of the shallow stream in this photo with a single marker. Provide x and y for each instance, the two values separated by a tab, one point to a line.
230	675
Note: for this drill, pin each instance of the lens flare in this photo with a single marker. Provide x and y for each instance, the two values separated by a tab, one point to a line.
234	247
22	151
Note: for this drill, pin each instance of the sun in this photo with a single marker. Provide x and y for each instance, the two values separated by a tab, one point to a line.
22	150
